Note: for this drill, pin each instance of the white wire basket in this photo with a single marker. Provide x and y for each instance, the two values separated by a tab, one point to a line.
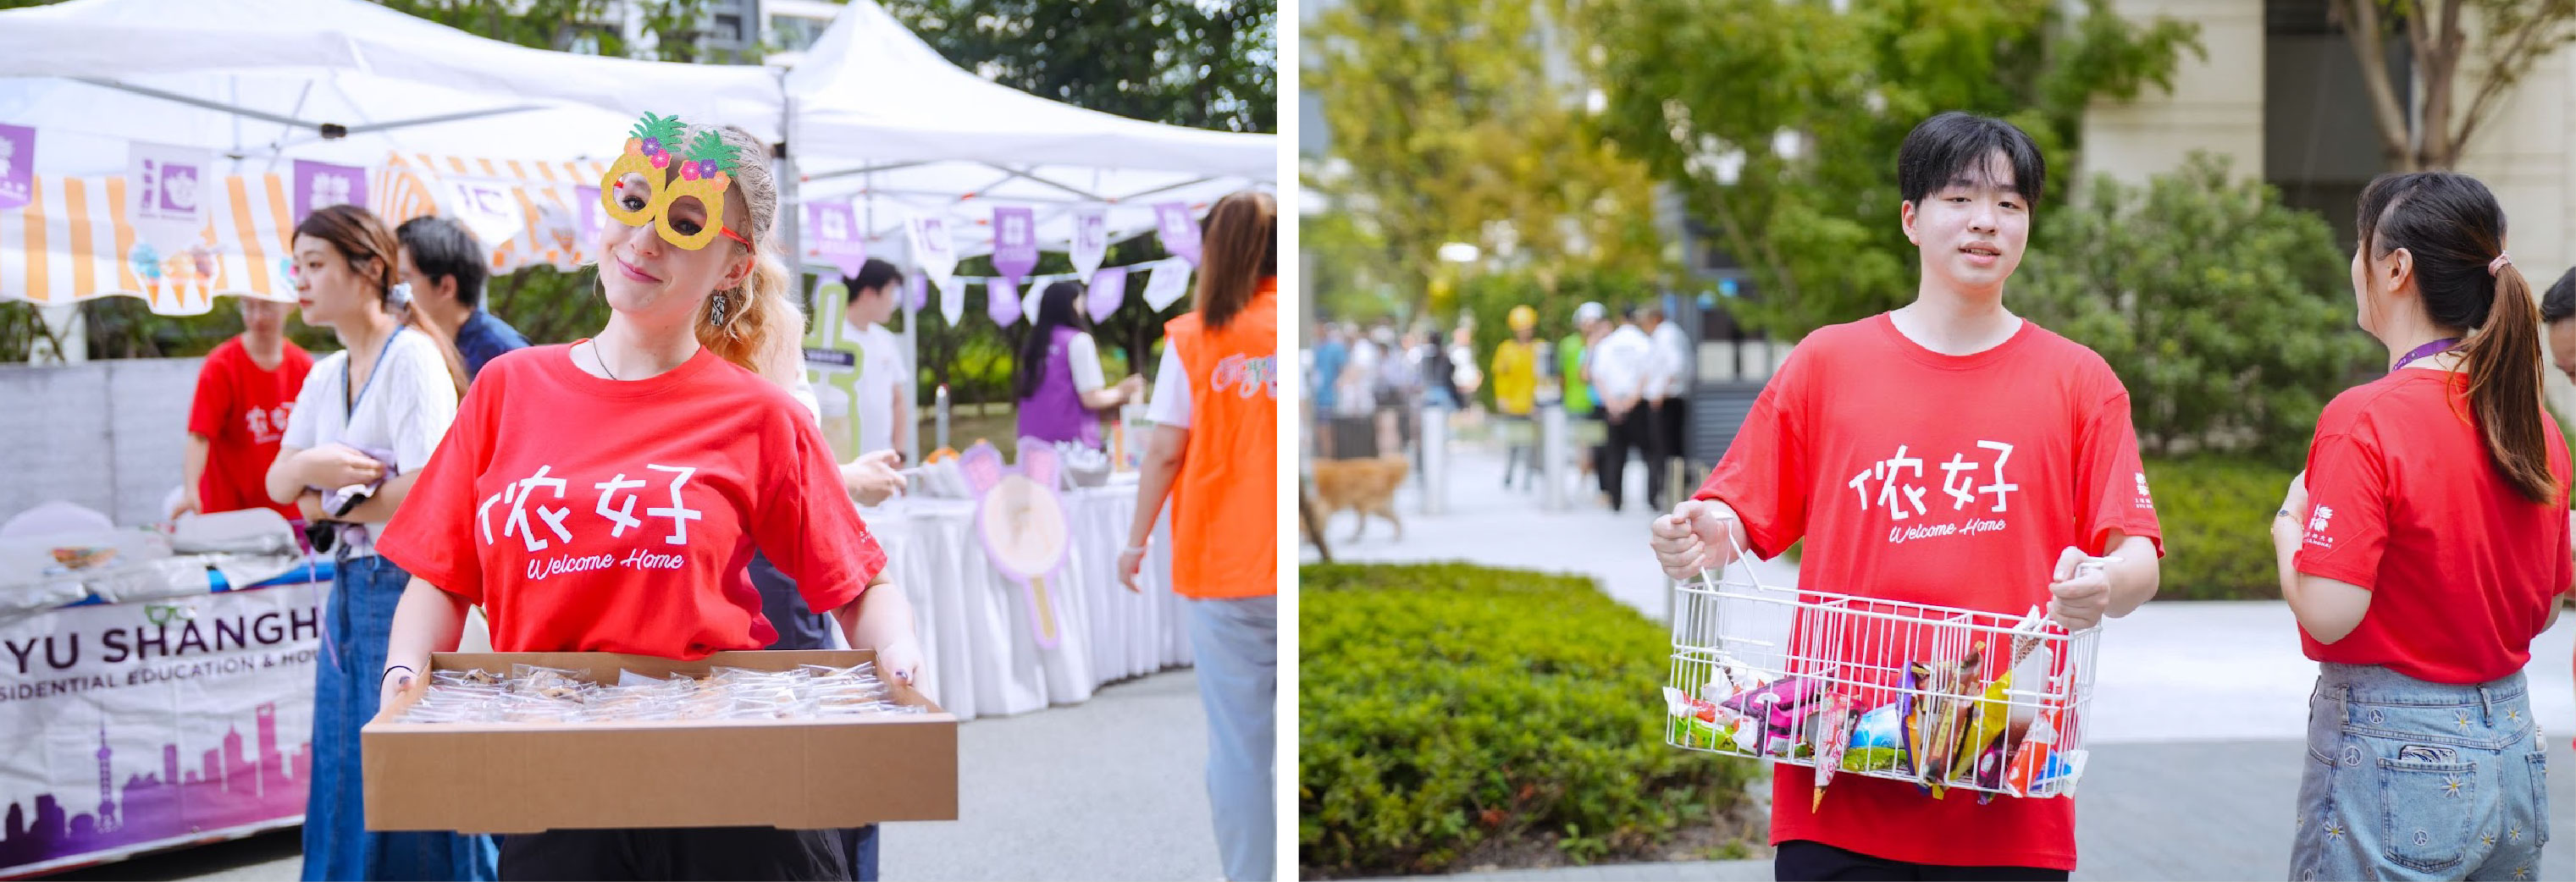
1943	697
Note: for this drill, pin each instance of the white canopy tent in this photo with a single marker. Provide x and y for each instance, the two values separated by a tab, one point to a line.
880	115
871	113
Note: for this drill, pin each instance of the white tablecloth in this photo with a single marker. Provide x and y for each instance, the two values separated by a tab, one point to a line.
982	656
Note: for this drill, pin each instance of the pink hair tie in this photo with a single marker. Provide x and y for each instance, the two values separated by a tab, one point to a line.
2497	265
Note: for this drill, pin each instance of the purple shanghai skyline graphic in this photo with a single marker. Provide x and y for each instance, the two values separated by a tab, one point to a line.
228	787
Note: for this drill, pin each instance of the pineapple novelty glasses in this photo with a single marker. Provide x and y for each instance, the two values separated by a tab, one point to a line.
636	192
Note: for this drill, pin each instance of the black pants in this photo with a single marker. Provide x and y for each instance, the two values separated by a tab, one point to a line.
1804	860
801	628
1633	430
1672	427
765	853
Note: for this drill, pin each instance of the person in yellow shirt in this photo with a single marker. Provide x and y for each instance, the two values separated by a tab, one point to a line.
1516	395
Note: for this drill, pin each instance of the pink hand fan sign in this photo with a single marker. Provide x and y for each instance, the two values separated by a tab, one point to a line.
1020	521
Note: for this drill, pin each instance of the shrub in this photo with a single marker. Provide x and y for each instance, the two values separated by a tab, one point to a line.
2228	315
2217	517
1444	705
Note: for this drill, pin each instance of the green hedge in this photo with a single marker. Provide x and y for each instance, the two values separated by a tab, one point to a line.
2217	515
1444	705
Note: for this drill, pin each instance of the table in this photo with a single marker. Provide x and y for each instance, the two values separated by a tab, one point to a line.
977	644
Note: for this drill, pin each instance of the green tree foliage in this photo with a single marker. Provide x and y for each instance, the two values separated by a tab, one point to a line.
1208	65
2228	316
1816	224
1456	121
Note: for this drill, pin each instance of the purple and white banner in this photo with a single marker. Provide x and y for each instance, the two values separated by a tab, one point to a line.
140	725
320	185
1090	238
487	207
17	166
589	219
832	235
952	299
167	197
1002	301
1015	241
934	250
1180	230
917	292
1108	290
1171	280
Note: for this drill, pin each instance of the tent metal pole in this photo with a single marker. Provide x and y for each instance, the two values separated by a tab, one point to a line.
1140	194
193	101
864	170
449	117
1032	177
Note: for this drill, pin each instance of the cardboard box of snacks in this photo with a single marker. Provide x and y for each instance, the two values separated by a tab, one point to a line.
523	777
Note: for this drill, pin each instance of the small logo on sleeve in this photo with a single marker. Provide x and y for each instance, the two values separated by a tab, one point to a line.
2320	527
2146	501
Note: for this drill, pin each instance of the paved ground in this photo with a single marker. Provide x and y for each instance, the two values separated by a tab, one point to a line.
1107	789
2199	712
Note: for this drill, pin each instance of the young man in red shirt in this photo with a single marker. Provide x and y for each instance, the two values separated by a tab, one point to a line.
245	391
1948	453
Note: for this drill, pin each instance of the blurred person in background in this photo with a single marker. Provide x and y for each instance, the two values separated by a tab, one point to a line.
446	269
245	391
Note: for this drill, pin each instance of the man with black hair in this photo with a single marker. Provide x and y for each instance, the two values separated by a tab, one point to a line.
885	411
446	268
1945	453
2558	316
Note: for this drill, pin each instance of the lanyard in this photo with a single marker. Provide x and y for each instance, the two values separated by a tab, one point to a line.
350	415
2436	347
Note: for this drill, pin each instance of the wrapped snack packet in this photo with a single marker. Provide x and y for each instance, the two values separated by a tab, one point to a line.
1833	726
1877	741
547	682
1987	718
1693	722
2038	748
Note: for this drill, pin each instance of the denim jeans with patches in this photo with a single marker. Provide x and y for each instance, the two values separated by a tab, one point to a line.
2407	779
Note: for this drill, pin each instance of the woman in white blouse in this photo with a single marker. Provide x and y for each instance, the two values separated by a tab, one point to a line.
364	425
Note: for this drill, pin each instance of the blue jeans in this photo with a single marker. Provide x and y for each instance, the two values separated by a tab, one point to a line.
337	845
2413	780
1235	645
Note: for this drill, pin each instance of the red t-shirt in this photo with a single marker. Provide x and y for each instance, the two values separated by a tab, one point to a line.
241	412
2403	501
1955	481
592	515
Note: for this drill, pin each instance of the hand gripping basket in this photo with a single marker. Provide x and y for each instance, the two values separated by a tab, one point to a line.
1943	697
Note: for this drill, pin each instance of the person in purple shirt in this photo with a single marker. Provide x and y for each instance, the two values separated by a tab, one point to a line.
445	268
1062	395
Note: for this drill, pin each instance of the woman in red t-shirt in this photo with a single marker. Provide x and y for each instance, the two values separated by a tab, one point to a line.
606	496
2423	548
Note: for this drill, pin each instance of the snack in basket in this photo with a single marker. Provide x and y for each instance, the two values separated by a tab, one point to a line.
1987	718
1693	722
1877	742
1989	773
1943	724
1832	726
2038	752
1775	711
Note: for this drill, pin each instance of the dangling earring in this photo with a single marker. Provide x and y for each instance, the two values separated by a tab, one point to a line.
716	310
